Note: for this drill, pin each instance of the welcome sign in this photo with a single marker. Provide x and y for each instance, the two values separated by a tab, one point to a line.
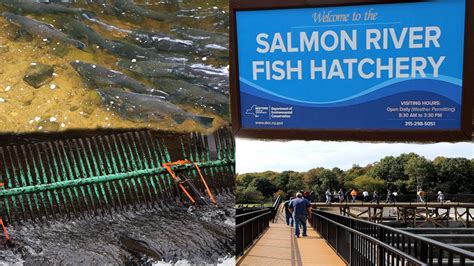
382	67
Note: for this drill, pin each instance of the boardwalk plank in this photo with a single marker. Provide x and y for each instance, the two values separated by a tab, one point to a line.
279	246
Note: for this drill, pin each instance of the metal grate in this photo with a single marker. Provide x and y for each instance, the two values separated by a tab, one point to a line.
96	175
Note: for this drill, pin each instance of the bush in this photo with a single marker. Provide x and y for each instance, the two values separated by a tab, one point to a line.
247	195
280	193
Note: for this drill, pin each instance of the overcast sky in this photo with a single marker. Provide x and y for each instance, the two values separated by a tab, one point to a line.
259	156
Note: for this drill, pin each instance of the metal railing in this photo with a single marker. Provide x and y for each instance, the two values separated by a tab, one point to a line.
275	208
251	225
359	241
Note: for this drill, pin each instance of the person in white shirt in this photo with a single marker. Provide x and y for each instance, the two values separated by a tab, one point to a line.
366	195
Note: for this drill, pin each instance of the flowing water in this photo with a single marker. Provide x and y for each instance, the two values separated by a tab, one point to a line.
203	235
104	76
66	101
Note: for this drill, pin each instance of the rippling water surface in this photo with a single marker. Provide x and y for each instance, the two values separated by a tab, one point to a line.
172	235
183	54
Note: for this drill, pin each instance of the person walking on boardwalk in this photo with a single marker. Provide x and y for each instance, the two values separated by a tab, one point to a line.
440	197
354	195
395	196
389	197
301	211
328	196
306	195
288	214
421	195
366	195
347	196
311	196
375	197
341	195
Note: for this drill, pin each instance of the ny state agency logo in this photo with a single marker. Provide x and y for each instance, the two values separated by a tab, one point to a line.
257	111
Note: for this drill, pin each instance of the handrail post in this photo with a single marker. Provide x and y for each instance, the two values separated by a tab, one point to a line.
337	239
380	256
385	240
423	251
351	254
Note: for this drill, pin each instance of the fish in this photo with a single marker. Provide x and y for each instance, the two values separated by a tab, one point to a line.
104	25
40	8
139	247
181	91
199	74
221	17
41	29
79	30
140	107
114	47
131	51
211	44
150	68
213	40
129	7
162	42
97	76
163	75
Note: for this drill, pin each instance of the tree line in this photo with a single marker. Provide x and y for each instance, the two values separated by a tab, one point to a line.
403	174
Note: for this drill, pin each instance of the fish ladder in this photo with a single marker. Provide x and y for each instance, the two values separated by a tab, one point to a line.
99	175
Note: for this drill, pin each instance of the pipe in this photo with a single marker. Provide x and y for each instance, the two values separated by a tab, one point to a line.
106	178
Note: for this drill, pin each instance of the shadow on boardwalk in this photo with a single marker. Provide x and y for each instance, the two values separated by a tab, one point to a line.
279	246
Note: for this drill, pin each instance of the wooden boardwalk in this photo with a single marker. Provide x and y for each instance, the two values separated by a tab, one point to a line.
279	246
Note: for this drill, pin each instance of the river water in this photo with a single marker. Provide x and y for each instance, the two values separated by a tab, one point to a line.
204	235
69	99
66	101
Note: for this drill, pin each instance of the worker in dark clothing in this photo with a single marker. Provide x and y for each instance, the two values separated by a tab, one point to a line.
389	197
311	196
288	214
341	196
301	211
375	197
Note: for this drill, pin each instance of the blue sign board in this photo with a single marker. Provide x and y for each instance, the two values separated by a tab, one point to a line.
396	66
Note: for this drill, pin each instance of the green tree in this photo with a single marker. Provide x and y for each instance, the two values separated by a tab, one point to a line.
280	193
419	171
328	179
368	183
351	174
339	174
295	183
281	179
264	185
390	169
311	177
245	179
247	195
454	175
319	179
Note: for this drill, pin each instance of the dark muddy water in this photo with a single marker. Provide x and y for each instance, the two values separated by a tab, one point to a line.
171	234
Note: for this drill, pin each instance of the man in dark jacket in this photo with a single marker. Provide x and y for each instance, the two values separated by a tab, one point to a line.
301	211
288	214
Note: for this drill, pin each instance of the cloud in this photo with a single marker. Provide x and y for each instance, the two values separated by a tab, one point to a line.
258	155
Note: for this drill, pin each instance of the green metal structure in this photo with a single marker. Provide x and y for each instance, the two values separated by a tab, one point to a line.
74	177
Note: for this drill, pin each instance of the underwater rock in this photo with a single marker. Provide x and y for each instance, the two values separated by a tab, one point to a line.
4	49
48	126
58	49
38	74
